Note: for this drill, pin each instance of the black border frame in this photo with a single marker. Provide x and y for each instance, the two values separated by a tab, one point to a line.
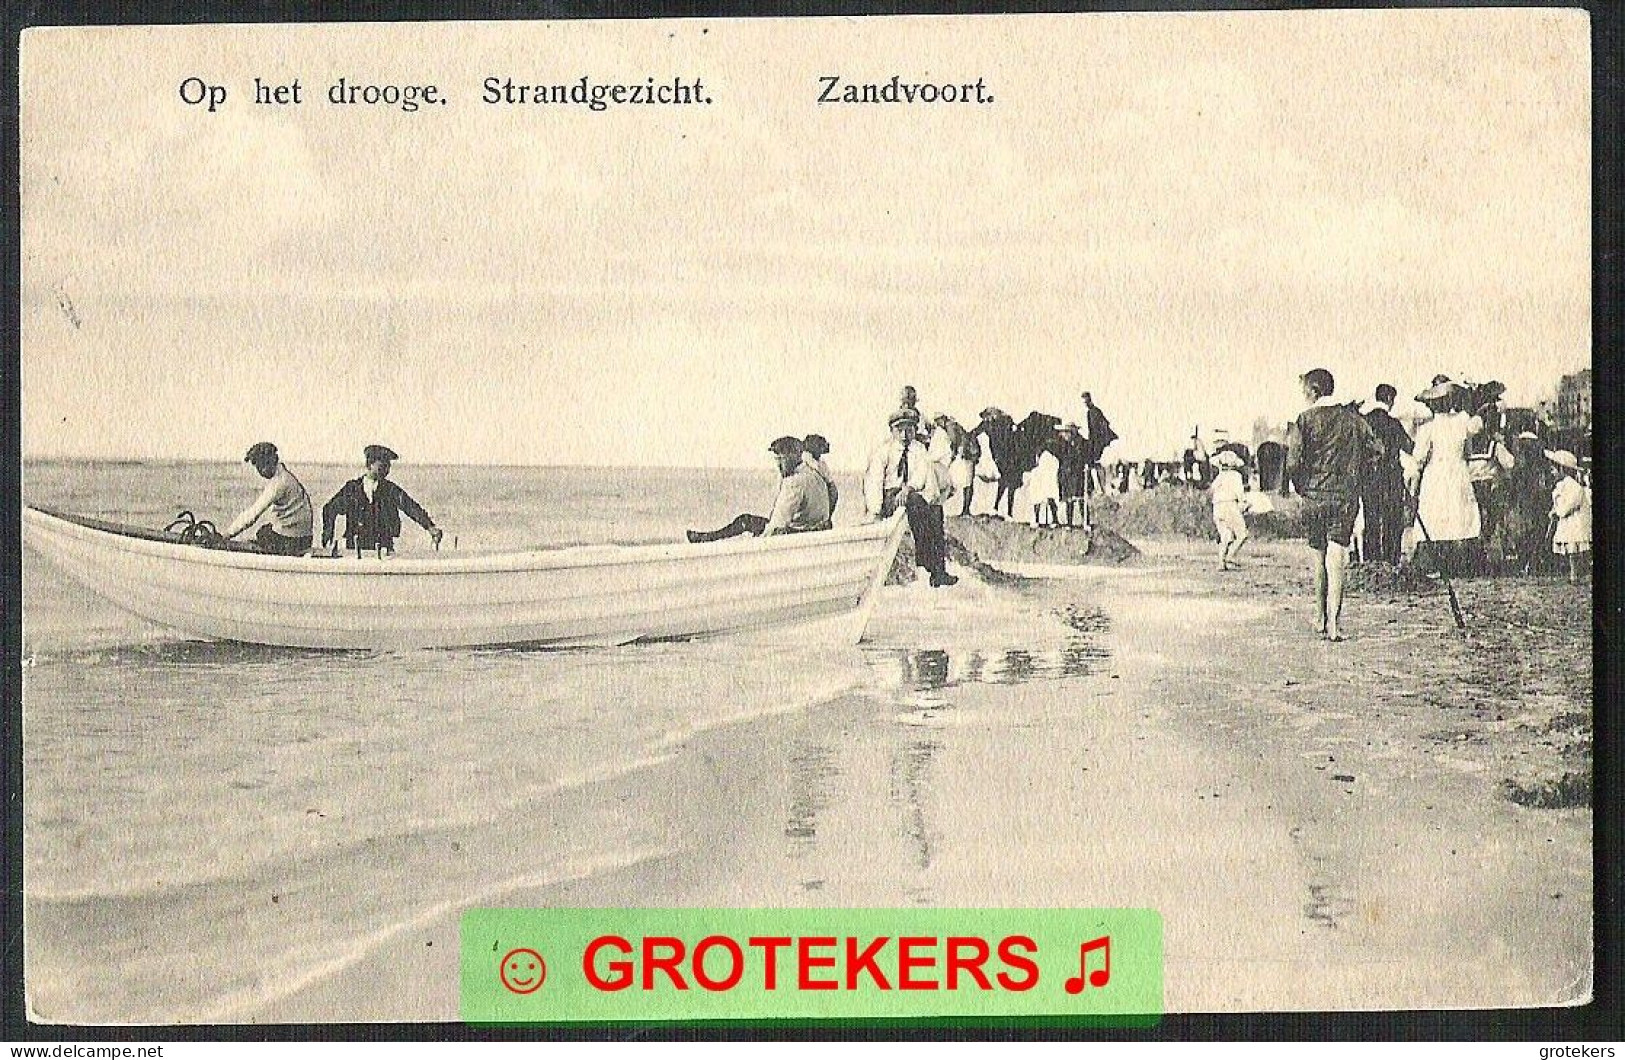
1602	1020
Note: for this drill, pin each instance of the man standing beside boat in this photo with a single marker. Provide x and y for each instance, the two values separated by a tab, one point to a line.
372	507
900	475
284	497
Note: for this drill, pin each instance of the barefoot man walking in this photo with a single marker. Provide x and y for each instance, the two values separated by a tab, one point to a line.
1329	449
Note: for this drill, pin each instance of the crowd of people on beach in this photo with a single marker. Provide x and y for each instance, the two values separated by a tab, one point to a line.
1478	490
925	462
929	460
1475	490
1053	465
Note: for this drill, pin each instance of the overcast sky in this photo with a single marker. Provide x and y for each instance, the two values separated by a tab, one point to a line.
1178	212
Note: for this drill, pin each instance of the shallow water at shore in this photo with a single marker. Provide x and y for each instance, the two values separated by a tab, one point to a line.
171	777
217	832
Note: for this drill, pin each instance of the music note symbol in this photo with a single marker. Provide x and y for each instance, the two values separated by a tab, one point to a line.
1098	977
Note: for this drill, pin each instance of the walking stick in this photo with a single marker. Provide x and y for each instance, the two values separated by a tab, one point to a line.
1444	575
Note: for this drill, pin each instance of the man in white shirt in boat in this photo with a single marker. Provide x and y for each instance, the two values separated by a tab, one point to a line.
901	475
288	533
372	507
802	505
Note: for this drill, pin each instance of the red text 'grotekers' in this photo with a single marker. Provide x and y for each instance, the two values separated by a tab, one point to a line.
812	962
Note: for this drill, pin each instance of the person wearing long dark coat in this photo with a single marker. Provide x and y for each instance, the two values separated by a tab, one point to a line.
1000	431
1098	433
1073	476
1271	462
1384	494
1528	493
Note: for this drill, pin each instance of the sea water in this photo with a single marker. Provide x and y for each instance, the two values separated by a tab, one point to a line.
159	767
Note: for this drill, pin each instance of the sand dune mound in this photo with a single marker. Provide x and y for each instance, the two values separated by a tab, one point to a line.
994	540
982	543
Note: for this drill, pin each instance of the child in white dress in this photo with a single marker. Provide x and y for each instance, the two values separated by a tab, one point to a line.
1044	489
1571	508
1229	496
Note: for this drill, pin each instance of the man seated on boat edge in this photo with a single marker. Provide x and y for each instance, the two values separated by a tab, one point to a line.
289	531
802	506
901	474
372	507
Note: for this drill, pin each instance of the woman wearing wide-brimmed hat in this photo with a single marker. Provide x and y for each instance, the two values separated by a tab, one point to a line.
1446	509
999	429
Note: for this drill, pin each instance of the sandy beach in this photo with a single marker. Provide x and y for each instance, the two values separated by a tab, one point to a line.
1321	826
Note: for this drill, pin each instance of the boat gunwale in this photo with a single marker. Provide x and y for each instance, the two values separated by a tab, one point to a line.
532	560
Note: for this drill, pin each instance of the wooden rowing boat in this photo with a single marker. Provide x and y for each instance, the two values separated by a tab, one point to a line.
817	587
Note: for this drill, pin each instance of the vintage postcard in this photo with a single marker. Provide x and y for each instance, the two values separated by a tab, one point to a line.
999	464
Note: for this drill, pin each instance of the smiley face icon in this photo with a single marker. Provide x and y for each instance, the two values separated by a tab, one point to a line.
523	971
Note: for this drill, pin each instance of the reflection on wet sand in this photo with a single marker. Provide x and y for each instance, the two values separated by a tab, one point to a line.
910	785
812	776
811	773
933	670
905	744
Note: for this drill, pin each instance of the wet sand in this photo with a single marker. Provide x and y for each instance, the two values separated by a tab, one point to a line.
1308	818
1321	826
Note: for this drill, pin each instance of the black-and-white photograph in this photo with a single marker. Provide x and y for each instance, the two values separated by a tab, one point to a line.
1099	461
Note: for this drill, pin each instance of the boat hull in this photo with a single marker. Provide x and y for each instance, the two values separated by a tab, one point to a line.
595	595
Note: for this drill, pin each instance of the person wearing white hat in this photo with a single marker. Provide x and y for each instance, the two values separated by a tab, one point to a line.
1571	508
1446	509
901	474
1229	497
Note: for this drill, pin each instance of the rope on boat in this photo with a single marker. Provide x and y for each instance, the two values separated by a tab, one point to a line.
195	531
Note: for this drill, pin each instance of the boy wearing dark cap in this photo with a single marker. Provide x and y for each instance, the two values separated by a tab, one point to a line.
372	507
288	532
803	503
